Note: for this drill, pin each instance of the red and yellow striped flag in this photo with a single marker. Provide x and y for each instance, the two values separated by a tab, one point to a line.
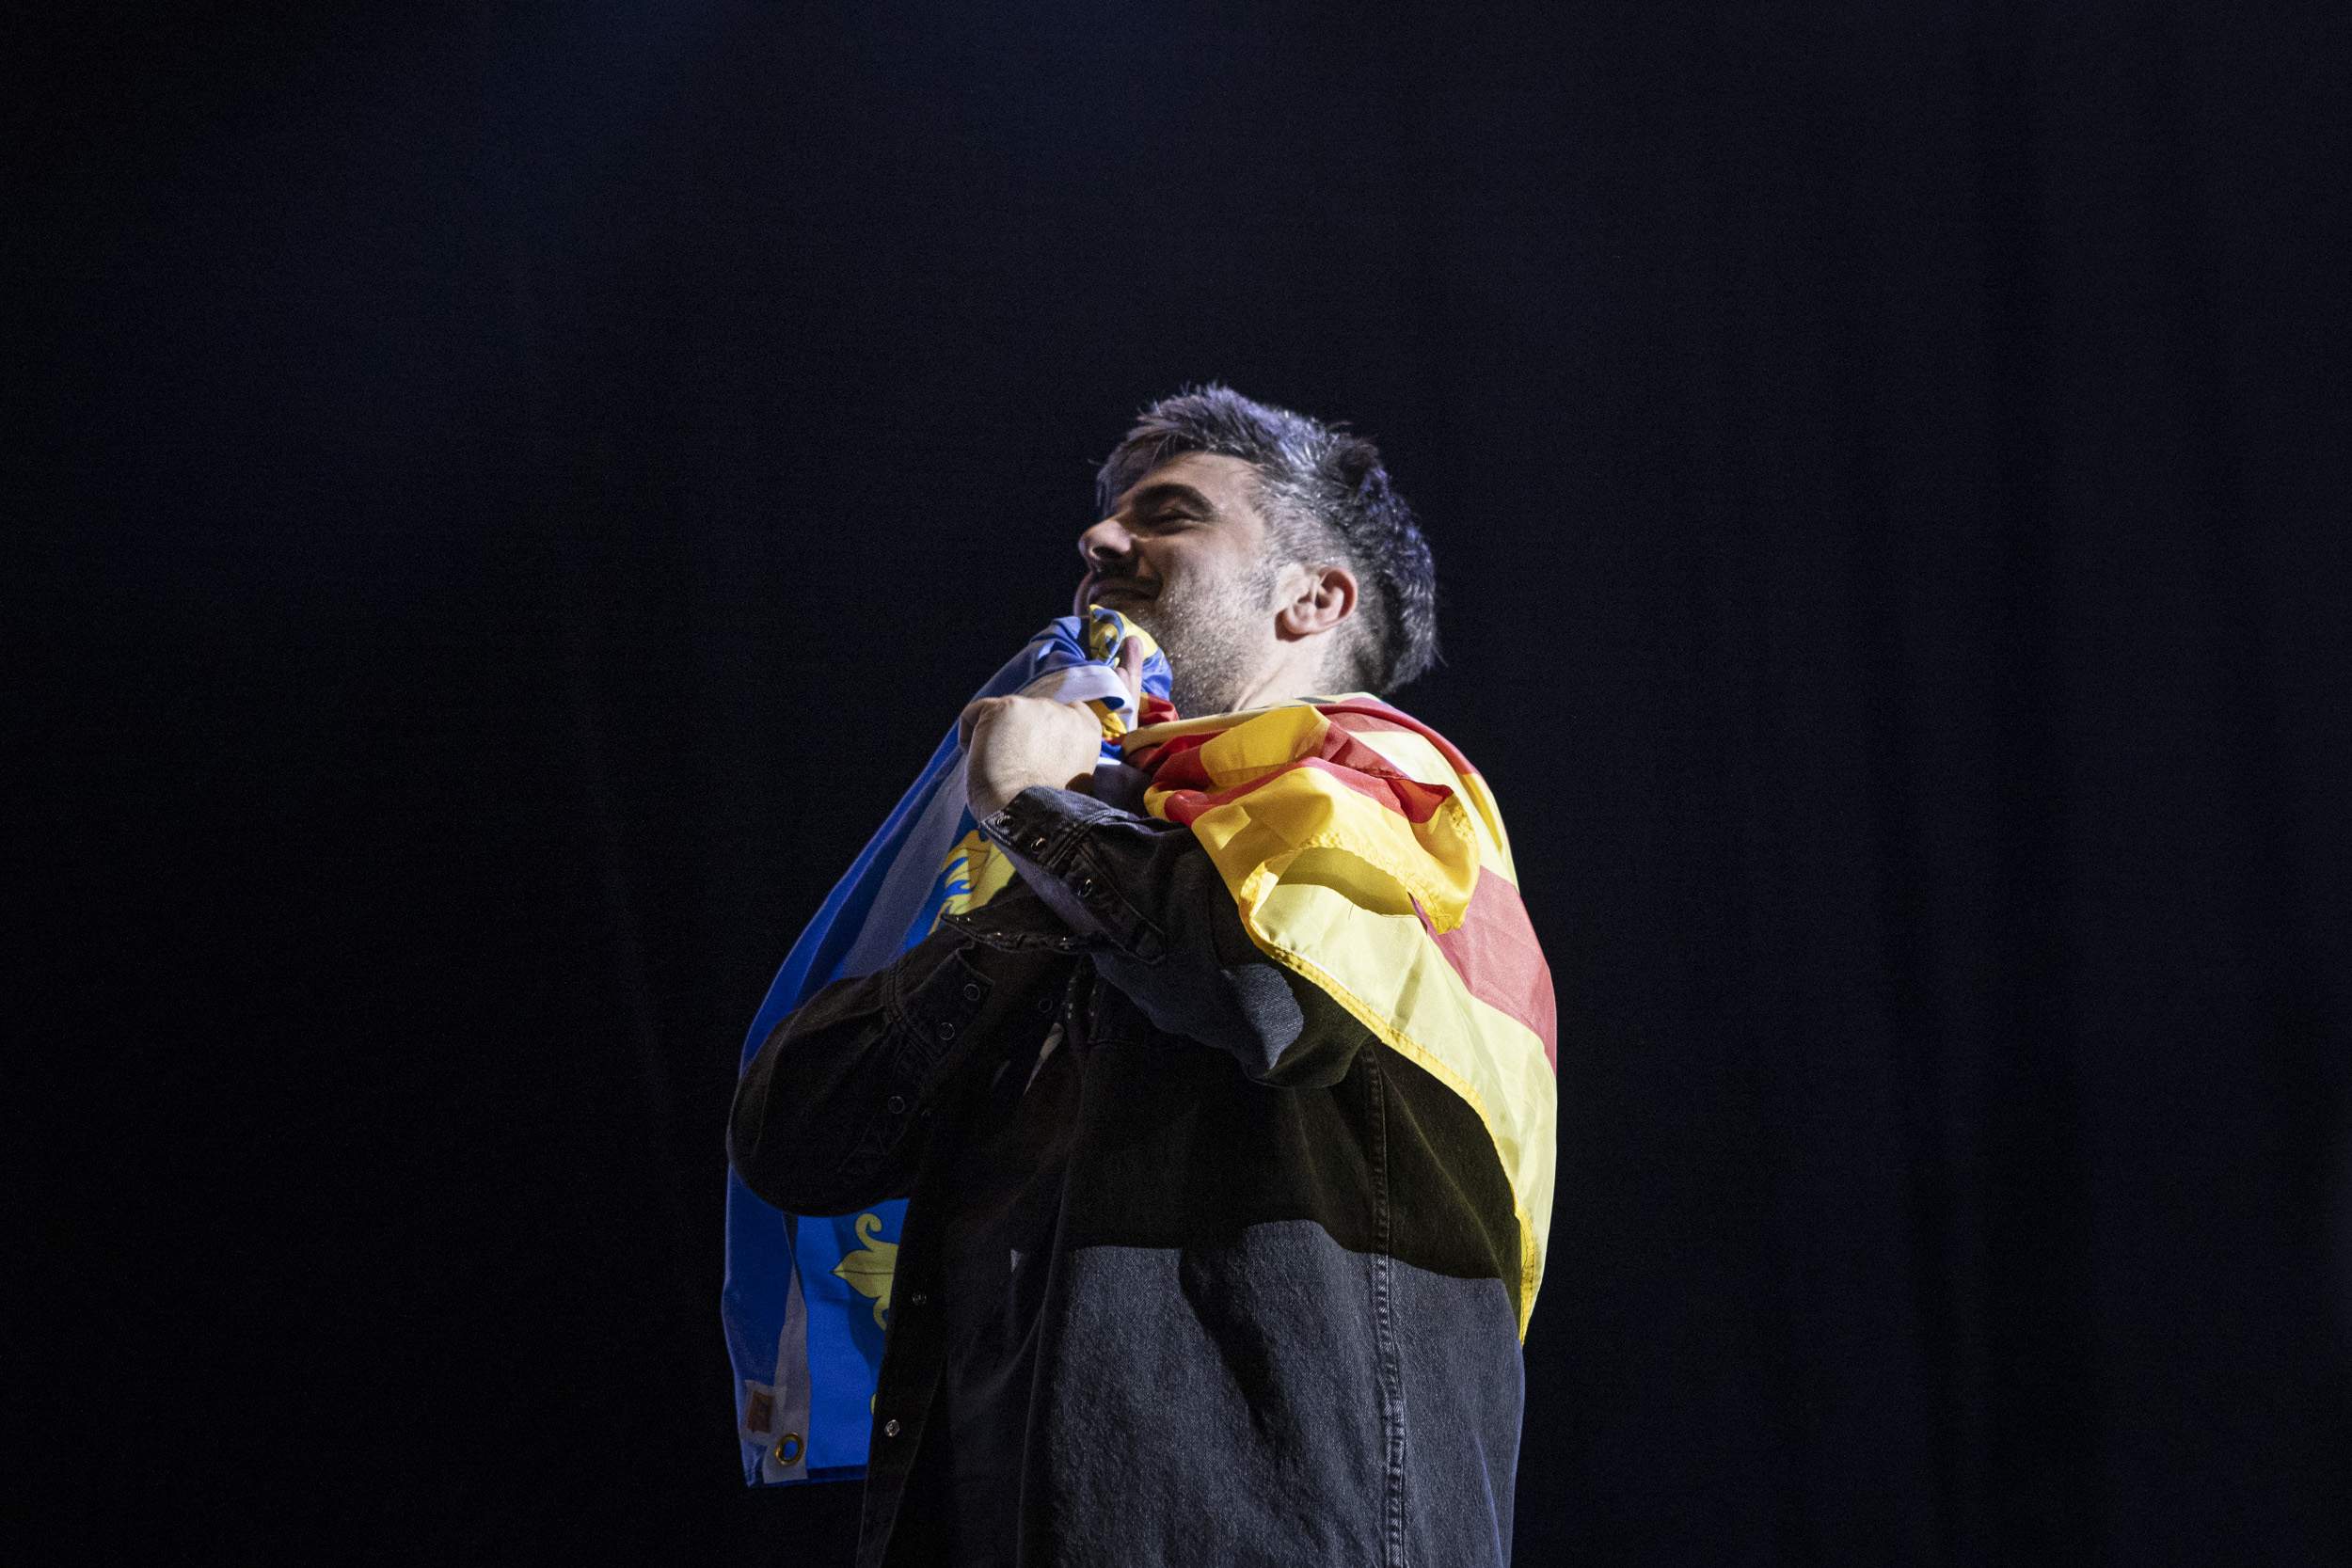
1366	854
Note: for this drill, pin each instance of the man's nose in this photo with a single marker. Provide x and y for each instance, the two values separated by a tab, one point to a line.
1106	541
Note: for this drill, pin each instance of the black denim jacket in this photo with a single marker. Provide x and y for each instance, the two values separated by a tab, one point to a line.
1279	1325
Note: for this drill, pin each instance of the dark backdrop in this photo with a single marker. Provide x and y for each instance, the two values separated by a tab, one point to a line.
529	484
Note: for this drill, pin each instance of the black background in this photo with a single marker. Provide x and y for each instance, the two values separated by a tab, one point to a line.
528	485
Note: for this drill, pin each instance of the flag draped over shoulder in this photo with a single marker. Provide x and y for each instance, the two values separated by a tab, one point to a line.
806	1300
1366	855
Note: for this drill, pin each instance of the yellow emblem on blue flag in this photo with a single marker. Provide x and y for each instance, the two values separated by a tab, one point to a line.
976	872
868	1271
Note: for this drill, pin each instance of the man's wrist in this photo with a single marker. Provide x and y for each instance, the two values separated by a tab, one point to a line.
989	796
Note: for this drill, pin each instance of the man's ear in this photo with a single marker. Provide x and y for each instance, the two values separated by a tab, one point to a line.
1315	599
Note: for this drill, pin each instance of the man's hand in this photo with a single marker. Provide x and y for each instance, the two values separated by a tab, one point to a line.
1018	741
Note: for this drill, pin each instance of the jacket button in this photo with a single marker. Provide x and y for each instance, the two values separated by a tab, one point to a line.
917	1299
1085	887
947	1030
1045	1003
898	1104
970	990
890	1428
1037	845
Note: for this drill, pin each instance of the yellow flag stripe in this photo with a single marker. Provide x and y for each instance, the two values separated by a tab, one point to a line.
1304	808
1412	755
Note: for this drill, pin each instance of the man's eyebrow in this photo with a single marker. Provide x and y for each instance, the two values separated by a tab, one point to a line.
1166	491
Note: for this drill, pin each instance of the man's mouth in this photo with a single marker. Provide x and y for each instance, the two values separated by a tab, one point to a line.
1094	589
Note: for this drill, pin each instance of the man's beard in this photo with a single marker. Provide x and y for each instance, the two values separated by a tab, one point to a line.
1207	630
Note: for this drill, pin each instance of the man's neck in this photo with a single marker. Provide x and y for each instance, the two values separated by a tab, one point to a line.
1296	671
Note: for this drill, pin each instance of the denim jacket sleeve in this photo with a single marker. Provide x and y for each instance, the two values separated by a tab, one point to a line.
1142	900
835	1111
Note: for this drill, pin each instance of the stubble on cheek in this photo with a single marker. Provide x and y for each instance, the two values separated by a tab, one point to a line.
1204	628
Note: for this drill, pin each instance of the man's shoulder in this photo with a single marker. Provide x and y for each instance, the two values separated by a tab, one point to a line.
1390	728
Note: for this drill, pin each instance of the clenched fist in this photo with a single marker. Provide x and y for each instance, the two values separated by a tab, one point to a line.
1018	741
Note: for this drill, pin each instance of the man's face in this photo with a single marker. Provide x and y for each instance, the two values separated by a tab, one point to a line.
1185	556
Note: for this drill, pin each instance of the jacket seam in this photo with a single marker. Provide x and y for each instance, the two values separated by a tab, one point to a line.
1384	1322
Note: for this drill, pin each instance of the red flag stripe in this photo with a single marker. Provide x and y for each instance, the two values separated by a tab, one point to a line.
1410	798
1179	767
1494	952
1380	716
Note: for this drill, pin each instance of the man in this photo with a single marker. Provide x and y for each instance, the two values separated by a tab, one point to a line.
1227	1139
